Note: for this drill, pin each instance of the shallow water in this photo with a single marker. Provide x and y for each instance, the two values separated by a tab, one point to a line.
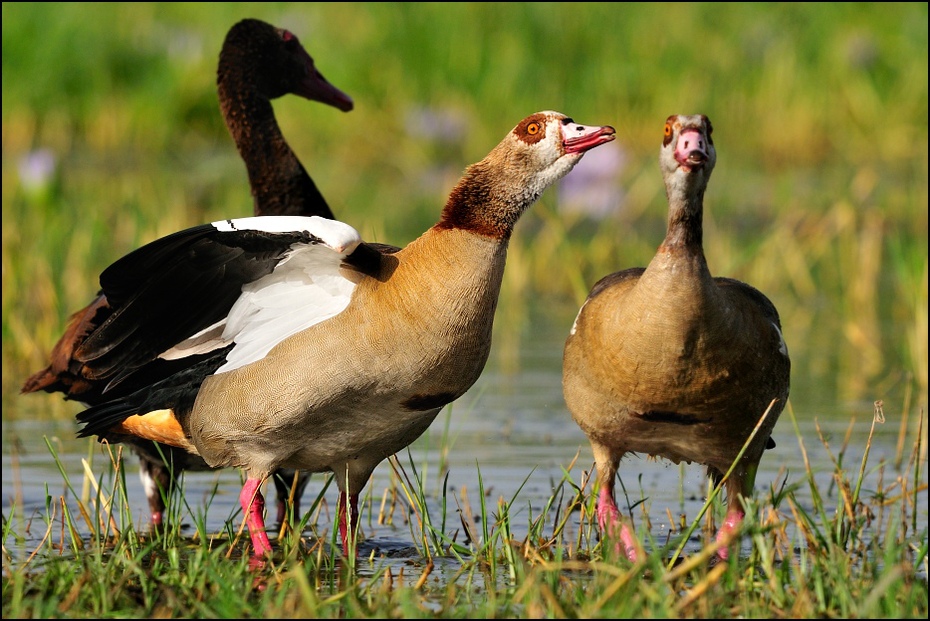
511	431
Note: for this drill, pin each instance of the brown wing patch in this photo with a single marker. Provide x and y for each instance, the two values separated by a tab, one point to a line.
422	403
675	418
64	373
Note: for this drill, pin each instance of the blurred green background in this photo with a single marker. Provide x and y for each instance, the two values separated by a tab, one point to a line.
112	136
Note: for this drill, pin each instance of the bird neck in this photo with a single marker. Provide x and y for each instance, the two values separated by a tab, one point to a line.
486	202
280	185
685	216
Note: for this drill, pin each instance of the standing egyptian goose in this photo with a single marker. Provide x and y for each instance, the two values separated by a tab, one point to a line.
257	63
672	362
299	345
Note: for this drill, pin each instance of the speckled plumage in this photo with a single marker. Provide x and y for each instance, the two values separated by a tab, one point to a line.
669	361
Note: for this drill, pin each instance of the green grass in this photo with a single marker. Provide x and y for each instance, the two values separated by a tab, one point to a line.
852	554
819	199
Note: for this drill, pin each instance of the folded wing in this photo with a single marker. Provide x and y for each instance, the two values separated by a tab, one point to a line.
248	282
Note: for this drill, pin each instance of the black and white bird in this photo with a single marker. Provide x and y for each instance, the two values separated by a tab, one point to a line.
257	63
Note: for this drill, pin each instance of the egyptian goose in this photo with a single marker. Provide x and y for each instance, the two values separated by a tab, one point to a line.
301	346
669	361
257	63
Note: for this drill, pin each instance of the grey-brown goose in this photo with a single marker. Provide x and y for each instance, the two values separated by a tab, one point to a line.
672	362
307	348
257	63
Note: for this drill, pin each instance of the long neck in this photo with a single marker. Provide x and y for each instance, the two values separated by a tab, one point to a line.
685	215
486	203
677	285
280	184
678	274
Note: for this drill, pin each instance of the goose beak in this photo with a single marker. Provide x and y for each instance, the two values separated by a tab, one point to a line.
580	138
691	149
317	88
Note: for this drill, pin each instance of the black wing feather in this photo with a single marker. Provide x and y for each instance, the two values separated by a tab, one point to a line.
171	289
177	391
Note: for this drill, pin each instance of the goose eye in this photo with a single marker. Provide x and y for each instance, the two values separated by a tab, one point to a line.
532	129
669	130
290	41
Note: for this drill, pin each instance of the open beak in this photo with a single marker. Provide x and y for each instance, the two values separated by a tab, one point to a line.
580	138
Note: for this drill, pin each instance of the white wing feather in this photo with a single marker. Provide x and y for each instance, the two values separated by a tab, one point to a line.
304	288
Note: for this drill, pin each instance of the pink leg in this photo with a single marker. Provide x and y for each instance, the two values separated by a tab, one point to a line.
607	512
608	518
253	505
730	524
348	519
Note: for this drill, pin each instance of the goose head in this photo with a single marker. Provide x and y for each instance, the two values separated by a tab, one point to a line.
545	146
542	148
687	156
272	62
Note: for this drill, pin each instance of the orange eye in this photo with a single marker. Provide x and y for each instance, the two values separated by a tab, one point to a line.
668	130
532	129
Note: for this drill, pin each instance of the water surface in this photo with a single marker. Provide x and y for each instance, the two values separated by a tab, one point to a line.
511	432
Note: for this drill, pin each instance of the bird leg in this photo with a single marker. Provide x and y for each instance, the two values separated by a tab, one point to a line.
614	526
283	485
611	523
253	505
727	529
282	503
348	520
158	481
736	484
